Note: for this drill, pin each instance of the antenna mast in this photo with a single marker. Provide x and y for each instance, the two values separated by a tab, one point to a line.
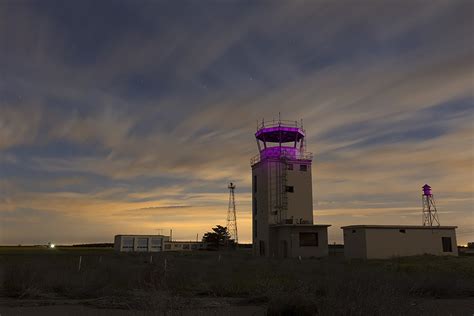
430	214
231	215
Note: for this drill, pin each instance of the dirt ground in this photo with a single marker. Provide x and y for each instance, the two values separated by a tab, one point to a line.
14	307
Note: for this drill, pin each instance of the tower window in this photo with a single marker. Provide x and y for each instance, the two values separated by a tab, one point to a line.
447	246
290	166
255	228
303	168
290	188
309	240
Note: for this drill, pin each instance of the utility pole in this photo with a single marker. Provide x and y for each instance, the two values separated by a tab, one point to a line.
231	214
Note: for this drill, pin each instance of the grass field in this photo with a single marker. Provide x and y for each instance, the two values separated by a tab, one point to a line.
182	281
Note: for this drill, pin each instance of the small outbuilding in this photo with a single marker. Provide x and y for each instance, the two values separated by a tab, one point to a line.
386	241
140	243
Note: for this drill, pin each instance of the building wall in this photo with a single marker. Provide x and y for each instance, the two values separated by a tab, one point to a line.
260	207
300	202
265	192
139	243
355	243
289	237
117	243
383	243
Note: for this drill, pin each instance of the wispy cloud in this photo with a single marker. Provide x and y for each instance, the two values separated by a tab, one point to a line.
139	119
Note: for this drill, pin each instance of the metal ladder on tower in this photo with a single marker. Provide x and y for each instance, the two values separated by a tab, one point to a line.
274	195
283	193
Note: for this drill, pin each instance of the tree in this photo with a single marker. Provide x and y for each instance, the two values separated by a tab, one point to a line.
219	237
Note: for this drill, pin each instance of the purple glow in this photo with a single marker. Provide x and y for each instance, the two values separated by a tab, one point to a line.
277	151
290	153
283	133
427	190
279	128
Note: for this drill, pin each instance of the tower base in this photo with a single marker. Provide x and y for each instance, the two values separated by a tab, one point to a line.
293	241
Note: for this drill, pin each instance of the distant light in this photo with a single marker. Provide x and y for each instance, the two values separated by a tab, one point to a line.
52	245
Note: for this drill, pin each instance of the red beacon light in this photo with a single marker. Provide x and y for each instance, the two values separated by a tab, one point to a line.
427	190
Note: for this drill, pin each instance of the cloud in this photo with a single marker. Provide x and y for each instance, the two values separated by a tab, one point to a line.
141	118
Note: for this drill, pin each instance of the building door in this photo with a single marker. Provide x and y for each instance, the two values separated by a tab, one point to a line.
447	245
284	248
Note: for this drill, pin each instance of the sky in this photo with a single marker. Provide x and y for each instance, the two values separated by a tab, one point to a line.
133	116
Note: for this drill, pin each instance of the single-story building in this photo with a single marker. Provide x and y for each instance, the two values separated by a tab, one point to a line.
140	243
153	243
386	241
183	245
297	240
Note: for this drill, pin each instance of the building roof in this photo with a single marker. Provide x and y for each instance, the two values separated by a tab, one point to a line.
398	227
137	235
283	134
184	242
299	225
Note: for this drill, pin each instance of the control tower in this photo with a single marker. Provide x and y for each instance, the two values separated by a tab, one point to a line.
282	197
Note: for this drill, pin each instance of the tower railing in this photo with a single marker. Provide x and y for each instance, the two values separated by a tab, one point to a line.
275	123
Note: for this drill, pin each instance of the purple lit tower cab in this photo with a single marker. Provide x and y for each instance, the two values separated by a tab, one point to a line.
282	198
430	214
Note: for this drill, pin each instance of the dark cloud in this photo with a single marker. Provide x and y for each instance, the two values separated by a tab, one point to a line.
110	106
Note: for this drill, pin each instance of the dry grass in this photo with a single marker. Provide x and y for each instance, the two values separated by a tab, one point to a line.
329	286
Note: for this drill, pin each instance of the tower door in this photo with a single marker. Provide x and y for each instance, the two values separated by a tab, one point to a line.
284	248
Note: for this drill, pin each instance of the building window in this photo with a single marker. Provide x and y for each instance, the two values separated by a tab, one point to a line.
262	248
194	246
303	168
255	184
168	246
255	228
142	243
127	243
290	188
353	231
403	231
156	243
186	246
255	207
290	166
447	246
308	239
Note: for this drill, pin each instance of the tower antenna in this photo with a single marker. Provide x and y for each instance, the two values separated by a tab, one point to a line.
430	214
231	215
